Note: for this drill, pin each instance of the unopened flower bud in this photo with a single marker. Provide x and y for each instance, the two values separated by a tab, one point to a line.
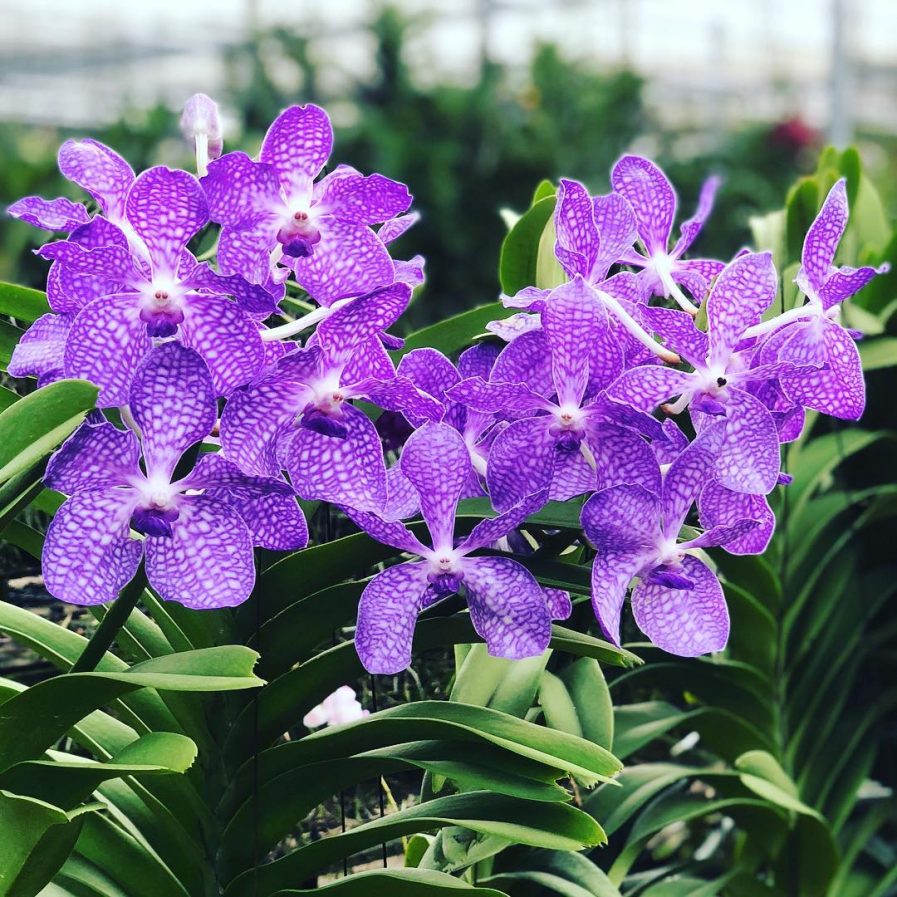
201	124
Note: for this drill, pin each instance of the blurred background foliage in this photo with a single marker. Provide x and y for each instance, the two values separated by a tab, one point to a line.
466	151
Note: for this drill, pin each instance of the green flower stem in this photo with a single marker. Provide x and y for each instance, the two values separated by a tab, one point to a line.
109	627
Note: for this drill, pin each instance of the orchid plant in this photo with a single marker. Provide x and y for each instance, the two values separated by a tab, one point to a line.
225	420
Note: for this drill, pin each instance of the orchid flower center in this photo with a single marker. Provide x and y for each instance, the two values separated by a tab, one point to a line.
298	234
160	306
157	508
444	574
567	427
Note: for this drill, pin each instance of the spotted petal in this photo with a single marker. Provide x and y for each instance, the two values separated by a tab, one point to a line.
437	462
173	403
50	214
824	235
742	292
521	462
617	231
647	386
387	613
241	192
350	260
166	208
488	532
298	143
364	200
507	607
102	172
651	196
687	476
41	350
95	456
207	562
105	345
685	622
692	227
88	556
577	235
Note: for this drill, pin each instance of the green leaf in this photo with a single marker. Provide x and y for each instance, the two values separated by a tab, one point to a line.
22	303
591	697
878	352
68	780
518	267
544	189
455	333
396	883
33	720
32	427
557	826
23	821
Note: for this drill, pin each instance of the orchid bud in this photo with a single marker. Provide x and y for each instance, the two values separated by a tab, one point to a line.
201	124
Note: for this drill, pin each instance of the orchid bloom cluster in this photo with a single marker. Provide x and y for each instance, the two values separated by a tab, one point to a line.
216	413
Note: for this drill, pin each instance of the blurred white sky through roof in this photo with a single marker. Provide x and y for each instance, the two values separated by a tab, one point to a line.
81	63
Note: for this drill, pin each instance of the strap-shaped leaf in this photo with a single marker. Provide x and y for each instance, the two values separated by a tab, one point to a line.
34	719
397	883
453	334
557	826
22	303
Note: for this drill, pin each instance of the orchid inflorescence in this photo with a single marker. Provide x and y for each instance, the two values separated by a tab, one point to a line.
225	417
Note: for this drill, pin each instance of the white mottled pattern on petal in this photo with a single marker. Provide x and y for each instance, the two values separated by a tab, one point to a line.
493	397
343	470
507	607
50	214
173	403
749	458
105	345
95	456
651	196
349	260
647	386
395	228
241	192
685	622
617	231
478	360
344	329
226	337
692	227
559	604
577	235
207	562
437	462
845	282
487	532
718	505
268	506
743	291
166	208
687	476
88	556
401	497
572	475
622	457
429	370
390	532
612	571
824	235
526	360
573	320
102	172
364	200
838	388
40	351
677	330
387	613
298	143
521	462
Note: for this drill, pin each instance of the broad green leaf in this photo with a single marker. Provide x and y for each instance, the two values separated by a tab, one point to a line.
67	780
518	266
591	697
557	826
878	352
33	720
32	427
396	883
455	333
557	705
22	303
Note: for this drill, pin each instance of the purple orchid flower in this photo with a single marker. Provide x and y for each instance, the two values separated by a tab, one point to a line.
719	506
748	459
201	127
321	230
828	372
198	531
653	201
41	350
298	414
124	298
566	433
95	168
678	603
508	607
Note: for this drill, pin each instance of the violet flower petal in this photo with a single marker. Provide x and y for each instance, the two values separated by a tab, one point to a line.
824	235
507	607
50	214
651	196
102	172
88	556
387	613
298	143
40	352
689	622
241	192
521	462
207	562
364	200
95	456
